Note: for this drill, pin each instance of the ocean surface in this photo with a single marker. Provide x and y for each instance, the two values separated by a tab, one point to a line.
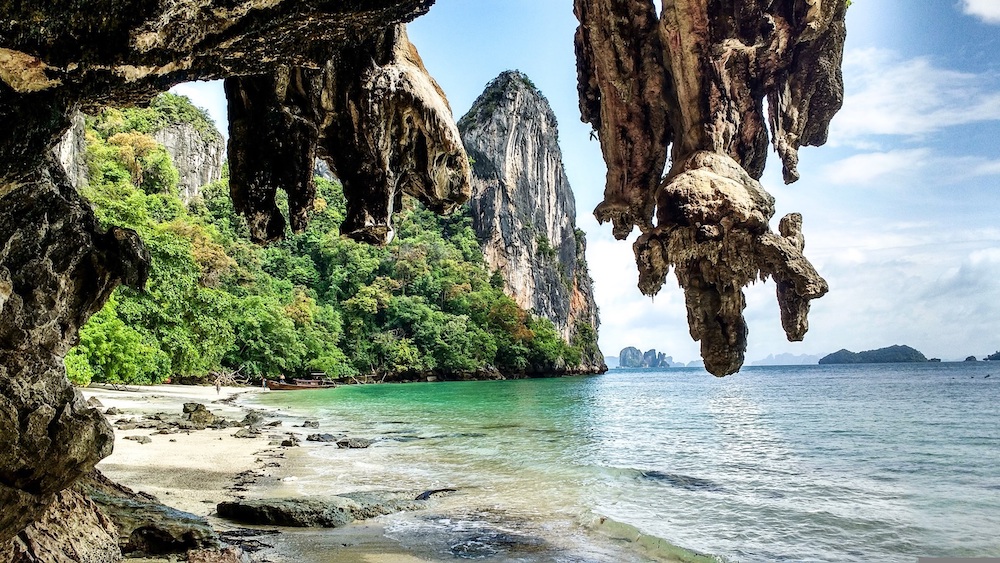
807	463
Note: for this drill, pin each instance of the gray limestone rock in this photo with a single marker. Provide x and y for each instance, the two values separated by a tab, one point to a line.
630	357
331	512
72	529
524	211
72	151
57	267
353	443
143	524
197	155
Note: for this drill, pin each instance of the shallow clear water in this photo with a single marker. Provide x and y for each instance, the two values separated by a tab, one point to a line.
805	463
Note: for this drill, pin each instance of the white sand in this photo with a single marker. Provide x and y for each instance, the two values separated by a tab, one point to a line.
189	470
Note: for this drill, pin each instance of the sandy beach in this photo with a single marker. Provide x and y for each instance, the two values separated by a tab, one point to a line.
194	470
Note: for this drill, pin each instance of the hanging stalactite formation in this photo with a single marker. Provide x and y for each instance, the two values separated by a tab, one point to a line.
691	82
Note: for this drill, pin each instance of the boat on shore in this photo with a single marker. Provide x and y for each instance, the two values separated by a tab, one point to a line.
300	384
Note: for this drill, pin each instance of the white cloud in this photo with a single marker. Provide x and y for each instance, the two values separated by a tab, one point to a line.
986	10
988	168
889	95
627	317
870	168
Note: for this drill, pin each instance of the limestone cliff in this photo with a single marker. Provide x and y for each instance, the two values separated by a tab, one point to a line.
339	80
197	155
195	146
524	211
72	151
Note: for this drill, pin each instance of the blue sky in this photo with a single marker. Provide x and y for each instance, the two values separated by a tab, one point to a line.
902	206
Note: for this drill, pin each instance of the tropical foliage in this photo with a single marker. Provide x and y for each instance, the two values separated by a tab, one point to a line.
313	302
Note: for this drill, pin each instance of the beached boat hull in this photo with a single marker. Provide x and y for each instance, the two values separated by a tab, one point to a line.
297	386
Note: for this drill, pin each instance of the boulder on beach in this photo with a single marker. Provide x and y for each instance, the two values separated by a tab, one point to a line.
331	512
253	418
145	525
353	443
321	438
198	414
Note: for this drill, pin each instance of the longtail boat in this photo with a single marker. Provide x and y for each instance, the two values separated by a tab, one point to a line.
300	384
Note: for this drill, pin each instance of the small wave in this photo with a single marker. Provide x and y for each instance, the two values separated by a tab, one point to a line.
657	548
682	481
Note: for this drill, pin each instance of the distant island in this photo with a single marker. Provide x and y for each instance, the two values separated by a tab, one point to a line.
890	355
632	357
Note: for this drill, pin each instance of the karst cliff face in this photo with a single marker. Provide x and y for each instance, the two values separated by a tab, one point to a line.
524	211
198	156
683	89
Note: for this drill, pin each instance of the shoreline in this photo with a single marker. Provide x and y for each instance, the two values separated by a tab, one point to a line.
195	470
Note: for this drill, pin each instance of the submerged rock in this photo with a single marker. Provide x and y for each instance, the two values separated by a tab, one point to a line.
354	443
332	512
321	438
428	494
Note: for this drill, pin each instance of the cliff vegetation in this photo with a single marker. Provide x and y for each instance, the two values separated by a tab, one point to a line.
316	301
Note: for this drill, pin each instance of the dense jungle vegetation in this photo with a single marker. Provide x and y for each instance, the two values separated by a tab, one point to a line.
216	303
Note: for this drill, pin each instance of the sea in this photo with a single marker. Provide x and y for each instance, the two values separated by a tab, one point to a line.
868	463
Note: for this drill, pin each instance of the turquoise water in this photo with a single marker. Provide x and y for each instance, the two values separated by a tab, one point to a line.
806	463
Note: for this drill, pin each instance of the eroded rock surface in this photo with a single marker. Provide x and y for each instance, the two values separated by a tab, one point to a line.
72	529
197	155
56	269
524	211
372	113
693	78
